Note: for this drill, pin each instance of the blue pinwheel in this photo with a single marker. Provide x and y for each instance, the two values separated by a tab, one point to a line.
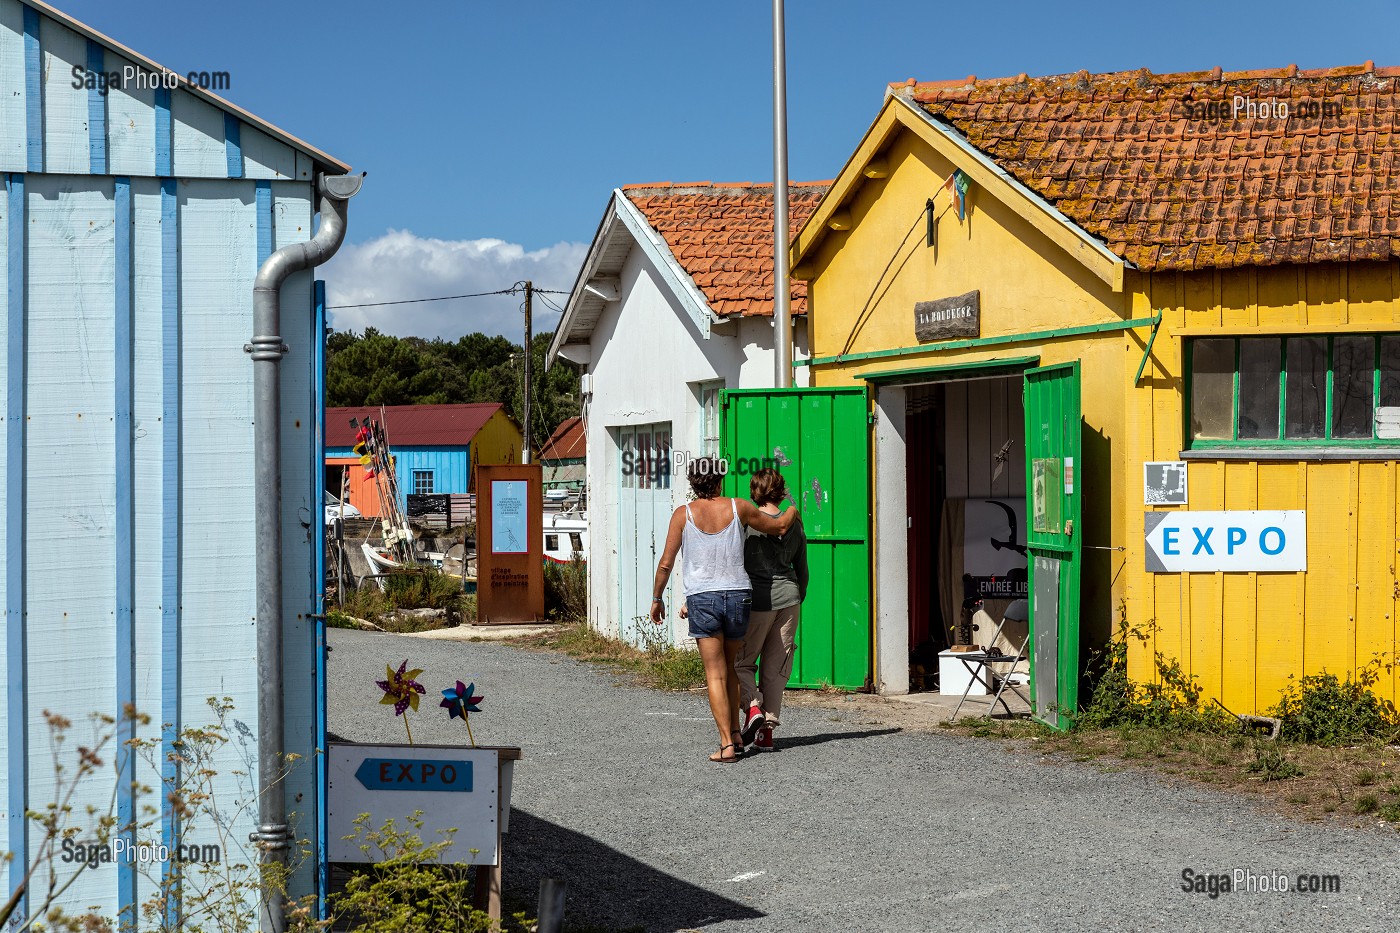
459	701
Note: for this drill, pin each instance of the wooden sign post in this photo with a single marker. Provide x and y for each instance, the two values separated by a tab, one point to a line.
509	544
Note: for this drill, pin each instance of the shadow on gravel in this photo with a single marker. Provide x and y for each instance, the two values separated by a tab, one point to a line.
604	887
799	741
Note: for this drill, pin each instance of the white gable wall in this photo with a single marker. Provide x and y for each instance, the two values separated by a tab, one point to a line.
647	355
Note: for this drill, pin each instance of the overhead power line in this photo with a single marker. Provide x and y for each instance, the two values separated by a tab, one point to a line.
513	290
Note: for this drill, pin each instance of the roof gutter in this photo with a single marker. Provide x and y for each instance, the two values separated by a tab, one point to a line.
273	834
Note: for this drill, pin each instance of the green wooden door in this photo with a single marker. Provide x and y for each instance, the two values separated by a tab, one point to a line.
818	439
1053	534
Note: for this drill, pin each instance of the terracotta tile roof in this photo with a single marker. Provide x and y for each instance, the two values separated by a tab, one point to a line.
1154	167
722	234
414	425
568	442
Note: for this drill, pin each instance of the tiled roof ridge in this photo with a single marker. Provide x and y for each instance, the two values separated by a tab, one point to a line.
1144	75
673	186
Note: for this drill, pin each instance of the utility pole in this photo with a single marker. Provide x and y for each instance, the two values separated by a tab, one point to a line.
782	286
529	367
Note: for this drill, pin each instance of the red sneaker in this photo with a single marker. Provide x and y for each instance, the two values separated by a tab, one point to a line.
764	742
753	722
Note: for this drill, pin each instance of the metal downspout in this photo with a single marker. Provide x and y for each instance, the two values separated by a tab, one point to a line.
273	835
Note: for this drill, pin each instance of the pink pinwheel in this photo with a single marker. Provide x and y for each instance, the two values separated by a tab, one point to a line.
402	691
459	701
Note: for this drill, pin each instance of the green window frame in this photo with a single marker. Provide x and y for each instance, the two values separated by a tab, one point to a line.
1384	391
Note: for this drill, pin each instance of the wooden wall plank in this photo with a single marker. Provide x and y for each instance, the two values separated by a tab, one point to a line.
1327	638
1279	639
1200	302
1016	427
1370	300
65	107
1326	297
1237	308
199	147
12	113
978	442
1239	608
1205	607
1375	569
131	126
955	448
70	493
997	435
1280	298
265	157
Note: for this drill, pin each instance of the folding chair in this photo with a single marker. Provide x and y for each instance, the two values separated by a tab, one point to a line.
979	664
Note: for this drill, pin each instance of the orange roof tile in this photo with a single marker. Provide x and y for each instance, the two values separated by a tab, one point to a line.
722	235
1171	175
568	442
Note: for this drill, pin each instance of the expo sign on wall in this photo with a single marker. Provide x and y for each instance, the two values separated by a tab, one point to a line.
1210	542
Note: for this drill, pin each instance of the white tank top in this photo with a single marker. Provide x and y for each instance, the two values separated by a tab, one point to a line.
714	561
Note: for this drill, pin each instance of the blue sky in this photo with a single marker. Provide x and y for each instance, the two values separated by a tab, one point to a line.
494	132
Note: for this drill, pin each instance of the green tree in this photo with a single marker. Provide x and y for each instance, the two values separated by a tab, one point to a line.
377	369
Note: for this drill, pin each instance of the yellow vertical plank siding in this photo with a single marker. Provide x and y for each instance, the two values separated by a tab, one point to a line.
1243	635
1328	635
1278	609
1207	599
1326	296
1238	620
1140	596
1375	578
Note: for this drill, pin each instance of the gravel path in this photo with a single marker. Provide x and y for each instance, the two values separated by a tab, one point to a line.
851	825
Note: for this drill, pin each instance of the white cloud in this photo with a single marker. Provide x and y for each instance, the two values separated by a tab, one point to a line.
400	265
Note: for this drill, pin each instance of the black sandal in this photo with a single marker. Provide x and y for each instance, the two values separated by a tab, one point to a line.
732	759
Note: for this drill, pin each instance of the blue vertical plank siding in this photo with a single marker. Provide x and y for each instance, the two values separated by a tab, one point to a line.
70	480
132	225
233	145
124	527
17	707
97	113
33	96
165	165
170	520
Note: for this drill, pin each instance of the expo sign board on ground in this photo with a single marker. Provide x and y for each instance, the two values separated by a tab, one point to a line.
1210	542
456	788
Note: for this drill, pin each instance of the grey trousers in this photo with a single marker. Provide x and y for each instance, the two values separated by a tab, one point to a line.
770	636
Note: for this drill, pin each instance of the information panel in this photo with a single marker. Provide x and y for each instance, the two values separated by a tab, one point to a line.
456	788
1230	542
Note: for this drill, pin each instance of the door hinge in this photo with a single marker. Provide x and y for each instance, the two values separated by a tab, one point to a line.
870	418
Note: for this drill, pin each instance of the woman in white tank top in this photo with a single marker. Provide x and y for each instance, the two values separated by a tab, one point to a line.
710	531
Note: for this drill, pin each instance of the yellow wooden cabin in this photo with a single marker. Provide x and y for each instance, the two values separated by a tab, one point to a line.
1219	293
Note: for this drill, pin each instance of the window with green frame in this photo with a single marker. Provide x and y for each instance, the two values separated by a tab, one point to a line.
1291	390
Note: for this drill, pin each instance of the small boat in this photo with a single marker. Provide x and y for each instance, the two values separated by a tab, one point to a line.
565	535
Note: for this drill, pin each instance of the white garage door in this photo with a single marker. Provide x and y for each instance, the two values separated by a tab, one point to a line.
645	506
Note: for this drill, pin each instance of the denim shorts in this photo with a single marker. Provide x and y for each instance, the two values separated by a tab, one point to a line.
721	612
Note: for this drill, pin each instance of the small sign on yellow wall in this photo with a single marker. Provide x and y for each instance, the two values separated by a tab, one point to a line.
960	316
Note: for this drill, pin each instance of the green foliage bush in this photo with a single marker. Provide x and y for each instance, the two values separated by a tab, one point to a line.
1323	709
566	590
416	588
407	890
1172	701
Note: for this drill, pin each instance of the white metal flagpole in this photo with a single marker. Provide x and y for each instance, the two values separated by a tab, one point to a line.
782	312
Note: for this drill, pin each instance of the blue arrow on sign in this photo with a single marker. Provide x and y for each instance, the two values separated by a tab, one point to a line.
414	774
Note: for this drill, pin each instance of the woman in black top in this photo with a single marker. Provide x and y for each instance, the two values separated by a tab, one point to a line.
777	568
